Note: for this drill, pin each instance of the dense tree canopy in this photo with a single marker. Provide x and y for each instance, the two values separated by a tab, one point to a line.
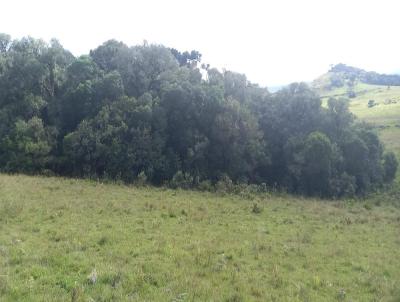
122	111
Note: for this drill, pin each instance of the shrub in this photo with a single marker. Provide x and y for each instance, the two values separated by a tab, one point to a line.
256	208
205	185
224	185
390	165
141	179
371	103
351	94
181	180
343	186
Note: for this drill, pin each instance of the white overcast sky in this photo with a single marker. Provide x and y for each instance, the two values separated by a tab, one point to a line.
273	42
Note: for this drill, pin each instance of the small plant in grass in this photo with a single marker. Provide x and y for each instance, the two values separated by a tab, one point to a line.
224	185
92	277
112	279
77	294
171	213
316	282
141	179
371	103
277	280
256	208
3	285
368	206
102	241
236	297
341	294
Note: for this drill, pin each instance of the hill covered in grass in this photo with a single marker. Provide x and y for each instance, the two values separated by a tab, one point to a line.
341	75
76	240
373	97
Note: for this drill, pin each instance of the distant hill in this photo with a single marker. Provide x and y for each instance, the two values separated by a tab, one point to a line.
373	97
341	75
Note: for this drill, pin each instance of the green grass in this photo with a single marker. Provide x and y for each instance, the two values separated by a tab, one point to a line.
154	244
359	89
386	113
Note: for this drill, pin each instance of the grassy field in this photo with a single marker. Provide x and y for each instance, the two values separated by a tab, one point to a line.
76	240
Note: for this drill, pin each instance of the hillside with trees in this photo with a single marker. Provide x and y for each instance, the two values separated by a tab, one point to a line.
158	114
342	75
377	104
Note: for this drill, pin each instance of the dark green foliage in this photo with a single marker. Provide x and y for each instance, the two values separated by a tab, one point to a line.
147	114
28	147
371	103
181	180
390	165
5	41
318	161
117	143
336	80
187	59
351	94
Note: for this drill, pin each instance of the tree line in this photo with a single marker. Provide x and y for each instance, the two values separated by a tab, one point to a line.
155	113
349	73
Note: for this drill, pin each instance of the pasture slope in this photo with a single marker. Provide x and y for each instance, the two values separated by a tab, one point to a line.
384	115
80	240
